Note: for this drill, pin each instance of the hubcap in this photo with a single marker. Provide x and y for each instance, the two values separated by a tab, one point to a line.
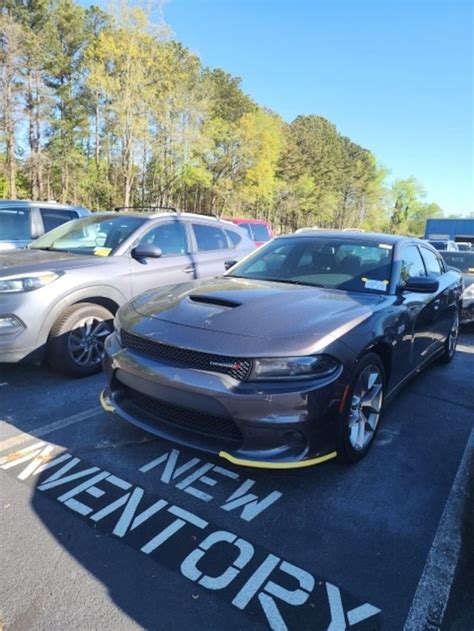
453	335
366	405
86	341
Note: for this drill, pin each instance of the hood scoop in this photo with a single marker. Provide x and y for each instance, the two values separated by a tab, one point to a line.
215	301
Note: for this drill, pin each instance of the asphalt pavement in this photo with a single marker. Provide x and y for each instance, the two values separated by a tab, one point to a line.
106	527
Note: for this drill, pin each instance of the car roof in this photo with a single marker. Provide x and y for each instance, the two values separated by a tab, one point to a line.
150	216
238	220
31	202
355	235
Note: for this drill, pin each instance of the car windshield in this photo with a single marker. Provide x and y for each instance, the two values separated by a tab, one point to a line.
15	224
463	261
99	235
350	265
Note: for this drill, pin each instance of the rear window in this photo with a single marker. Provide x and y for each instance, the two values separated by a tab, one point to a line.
15	224
260	232
52	218
209	237
463	261
234	237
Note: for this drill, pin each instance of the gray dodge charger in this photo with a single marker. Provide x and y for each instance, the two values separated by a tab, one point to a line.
287	359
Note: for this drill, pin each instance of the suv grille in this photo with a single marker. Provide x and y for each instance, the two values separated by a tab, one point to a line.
156	411
236	368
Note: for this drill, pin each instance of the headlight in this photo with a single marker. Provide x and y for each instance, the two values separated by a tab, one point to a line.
26	282
293	368
468	293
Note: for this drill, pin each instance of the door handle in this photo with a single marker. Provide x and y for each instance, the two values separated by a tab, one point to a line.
189	269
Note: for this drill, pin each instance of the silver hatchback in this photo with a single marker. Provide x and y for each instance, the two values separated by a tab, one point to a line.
58	298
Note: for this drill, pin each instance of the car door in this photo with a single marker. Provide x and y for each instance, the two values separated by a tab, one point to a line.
211	249
173	267
445	302
415	327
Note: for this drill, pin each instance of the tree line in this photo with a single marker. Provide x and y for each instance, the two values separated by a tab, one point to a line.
107	110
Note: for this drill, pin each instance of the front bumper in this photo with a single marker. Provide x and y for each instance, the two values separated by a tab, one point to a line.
251	424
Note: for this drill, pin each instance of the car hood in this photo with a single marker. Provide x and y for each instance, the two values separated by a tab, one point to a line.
25	261
248	316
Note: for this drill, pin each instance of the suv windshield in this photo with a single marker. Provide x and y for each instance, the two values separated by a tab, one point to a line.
15	224
344	264
463	261
99	235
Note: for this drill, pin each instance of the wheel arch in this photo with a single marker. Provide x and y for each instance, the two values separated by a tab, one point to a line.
384	351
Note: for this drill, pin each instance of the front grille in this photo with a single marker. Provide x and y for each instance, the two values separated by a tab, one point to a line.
156	411
233	366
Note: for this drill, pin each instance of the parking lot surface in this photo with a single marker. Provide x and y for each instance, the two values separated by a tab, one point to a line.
107	527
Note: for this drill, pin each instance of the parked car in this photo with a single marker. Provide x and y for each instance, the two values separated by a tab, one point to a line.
287	359
22	221
259	231
444	245
58	298
464	262
464	246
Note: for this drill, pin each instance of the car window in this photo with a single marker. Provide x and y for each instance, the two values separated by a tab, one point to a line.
97	234
412	263
234	237
54	217
434	266
246	227
321	262
170	237
15	224
209	237
260	232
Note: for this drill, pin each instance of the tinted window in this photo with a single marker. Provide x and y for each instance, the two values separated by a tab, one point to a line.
52	218
246	227
260	232
209	237
234	237
170	237
412	263
321	262
434	267
439	245
463	261
15	224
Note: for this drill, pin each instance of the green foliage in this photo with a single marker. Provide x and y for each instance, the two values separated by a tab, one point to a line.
117	113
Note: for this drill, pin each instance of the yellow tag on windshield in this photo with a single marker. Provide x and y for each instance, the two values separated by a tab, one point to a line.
102	251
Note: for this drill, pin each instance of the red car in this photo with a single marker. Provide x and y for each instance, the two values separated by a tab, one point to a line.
259	231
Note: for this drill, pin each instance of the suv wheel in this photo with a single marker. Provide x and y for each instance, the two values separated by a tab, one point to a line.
76	341
451	340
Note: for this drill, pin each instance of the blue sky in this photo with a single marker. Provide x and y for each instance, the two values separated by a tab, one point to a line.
393	75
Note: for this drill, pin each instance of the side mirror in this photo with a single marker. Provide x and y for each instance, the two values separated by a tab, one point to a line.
421	285
146	251
229	264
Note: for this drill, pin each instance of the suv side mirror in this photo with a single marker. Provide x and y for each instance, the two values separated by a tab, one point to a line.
421	285
229	264
146	251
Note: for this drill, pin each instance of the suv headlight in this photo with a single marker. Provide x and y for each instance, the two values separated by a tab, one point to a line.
468	293
282	368
26	282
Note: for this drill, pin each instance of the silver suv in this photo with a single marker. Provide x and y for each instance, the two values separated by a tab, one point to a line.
58	298
21	221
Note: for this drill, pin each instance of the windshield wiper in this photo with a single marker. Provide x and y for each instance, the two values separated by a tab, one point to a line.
287	281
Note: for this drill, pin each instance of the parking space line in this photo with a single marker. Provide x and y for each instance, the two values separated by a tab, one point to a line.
18	439
432	593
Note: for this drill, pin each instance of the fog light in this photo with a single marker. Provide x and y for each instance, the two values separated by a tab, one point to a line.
10	324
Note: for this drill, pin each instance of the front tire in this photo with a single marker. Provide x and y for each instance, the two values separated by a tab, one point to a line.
76	342
360	418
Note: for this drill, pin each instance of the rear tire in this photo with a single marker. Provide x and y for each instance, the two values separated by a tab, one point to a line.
451	341
360	418
76	342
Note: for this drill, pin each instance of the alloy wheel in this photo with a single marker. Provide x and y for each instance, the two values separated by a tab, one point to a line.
366	406
453	335
86	341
